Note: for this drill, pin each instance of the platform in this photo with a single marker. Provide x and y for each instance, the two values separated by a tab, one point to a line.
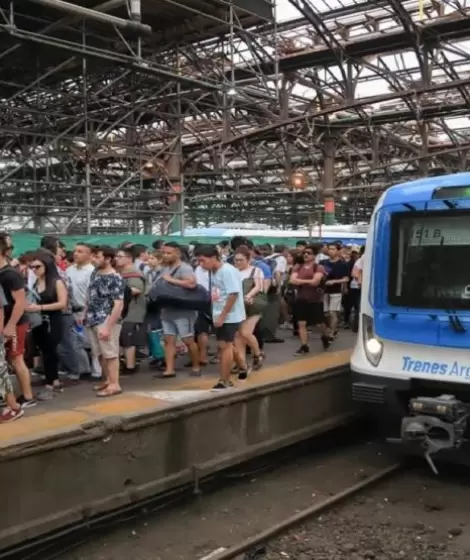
91	456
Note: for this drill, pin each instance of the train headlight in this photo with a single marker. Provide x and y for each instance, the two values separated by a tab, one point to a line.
372	345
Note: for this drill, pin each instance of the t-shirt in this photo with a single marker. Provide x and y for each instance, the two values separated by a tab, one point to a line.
248	273
3	299
281	264
103	291
310	294
11	281
151	277
183	271
31	280
321	257
281	267
336	270
225	282
356	268
141	266
3	302
202	277
137	305
79	279
267	272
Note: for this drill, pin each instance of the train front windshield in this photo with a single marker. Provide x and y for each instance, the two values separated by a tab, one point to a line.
430	260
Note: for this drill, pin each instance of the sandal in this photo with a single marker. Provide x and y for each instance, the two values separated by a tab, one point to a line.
101	387
108	393
164	375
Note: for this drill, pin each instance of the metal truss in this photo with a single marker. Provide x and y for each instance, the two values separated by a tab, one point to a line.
166	115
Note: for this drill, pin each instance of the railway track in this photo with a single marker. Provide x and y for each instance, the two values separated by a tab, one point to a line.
400	512
254	547
264	509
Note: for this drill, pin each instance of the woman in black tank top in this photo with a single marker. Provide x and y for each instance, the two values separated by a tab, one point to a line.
50	295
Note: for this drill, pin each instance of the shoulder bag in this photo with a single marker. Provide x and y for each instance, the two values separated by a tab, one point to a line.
167	295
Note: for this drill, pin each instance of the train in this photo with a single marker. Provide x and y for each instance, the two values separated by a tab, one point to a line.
411	361
354	234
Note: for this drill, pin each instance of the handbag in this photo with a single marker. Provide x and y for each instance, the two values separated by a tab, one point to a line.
164	294
35	318
260	300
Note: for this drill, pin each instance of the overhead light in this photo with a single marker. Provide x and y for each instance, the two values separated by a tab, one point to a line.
298	180
232	91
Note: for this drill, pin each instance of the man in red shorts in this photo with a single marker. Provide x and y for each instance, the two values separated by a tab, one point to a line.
16	323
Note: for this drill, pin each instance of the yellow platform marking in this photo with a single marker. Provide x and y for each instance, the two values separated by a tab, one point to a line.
125	404
36	426
298	368
288	370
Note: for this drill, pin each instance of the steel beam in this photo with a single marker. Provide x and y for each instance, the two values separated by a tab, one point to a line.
86	13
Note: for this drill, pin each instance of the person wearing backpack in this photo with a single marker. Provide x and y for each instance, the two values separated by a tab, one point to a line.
133	333
309	279
277	263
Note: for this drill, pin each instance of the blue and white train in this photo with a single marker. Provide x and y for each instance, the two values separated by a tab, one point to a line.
348	234
411	361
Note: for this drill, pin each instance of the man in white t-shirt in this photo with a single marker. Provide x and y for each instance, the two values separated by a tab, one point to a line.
228	308
323	254
79	275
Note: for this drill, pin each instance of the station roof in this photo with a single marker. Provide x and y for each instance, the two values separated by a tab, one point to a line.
170	20
388	79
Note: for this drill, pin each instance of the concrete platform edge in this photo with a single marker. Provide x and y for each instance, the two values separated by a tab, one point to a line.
121	461
154	488
102	428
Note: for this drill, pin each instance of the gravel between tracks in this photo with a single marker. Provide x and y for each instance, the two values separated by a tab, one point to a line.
411	517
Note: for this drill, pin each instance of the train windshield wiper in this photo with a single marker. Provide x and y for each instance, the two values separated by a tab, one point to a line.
450	204
455	322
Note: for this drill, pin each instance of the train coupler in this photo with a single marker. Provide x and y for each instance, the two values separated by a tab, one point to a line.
435	424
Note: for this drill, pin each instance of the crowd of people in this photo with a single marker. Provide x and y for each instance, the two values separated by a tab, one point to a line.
92	312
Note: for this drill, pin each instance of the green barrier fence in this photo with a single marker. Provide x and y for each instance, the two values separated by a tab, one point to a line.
30	241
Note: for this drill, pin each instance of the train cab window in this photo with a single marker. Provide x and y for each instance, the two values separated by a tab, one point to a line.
430	260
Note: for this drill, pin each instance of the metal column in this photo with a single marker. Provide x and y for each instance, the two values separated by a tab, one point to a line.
329	181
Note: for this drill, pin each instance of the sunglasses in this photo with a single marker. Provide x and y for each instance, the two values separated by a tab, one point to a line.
308	253
35	266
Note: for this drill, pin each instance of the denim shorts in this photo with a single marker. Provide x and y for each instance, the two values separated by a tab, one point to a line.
180	324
